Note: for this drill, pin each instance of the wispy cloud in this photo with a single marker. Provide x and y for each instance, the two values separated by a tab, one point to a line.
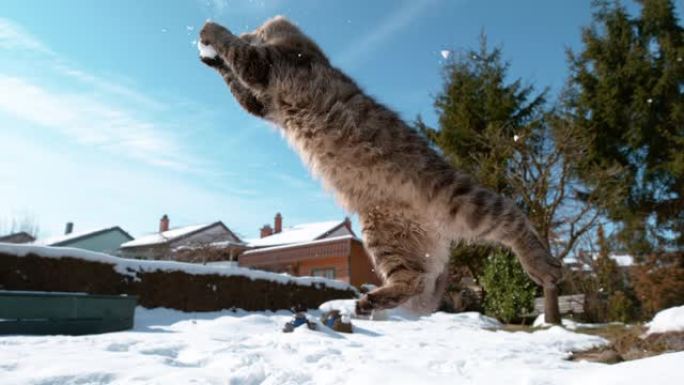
219	7
88	121
293	181
403	16
108	86
15	37
95	115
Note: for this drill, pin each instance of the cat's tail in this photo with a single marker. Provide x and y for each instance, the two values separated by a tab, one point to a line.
488	216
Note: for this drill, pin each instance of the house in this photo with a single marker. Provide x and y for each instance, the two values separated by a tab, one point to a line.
106	240
20	237
198	243
326	249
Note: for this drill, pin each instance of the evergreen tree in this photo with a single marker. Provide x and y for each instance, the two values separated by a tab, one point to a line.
626	95
612	286
502	133
608	276
477	103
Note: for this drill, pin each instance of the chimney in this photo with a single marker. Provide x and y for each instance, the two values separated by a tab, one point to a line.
69	228
278	223
164	224
347	223
266	231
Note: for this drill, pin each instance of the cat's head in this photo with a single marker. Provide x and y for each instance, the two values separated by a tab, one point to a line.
278	31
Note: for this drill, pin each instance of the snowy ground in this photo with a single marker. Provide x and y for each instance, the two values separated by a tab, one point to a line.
668	320
170	347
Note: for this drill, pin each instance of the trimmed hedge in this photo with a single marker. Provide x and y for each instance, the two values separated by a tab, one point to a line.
170	289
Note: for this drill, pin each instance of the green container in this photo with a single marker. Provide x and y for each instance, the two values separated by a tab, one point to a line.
45	313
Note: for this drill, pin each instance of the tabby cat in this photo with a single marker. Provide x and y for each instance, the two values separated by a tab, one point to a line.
412	204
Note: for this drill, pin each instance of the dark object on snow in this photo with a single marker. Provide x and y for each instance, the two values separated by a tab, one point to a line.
46	313
333	320
299	320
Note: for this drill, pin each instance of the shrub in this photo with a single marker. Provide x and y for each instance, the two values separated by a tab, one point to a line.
659	282
509	293
620	307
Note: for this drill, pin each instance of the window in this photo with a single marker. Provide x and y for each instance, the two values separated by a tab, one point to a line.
325	273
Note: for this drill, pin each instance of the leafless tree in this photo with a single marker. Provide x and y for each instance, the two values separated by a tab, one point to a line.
26	223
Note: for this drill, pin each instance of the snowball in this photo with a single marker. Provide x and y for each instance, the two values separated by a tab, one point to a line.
206	51
445	53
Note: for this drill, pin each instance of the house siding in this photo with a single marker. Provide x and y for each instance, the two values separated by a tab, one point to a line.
107	242
339	263
360	267
347	256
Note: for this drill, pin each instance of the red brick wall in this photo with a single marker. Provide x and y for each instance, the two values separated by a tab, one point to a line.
361	267
347	256
339	263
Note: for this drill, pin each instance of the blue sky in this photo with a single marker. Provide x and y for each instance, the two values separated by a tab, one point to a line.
107	117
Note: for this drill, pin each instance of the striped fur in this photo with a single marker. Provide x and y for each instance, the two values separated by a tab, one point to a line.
411	203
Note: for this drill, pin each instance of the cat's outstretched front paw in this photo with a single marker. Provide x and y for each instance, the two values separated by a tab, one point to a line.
213	34
213	62
364	306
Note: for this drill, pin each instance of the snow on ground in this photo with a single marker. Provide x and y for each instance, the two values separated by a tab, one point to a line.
668	320
570	324
170	347
664	369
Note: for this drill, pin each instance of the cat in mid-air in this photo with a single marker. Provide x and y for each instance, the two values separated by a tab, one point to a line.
412	204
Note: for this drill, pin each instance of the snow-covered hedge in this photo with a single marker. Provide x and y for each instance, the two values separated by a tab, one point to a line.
178	285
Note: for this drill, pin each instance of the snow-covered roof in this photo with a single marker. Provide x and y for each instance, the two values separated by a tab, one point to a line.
288	245
62	239
20	237
166	236
298	234
623	260
215	245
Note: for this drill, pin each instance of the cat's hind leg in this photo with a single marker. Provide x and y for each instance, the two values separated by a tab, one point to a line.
394	245
488	216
